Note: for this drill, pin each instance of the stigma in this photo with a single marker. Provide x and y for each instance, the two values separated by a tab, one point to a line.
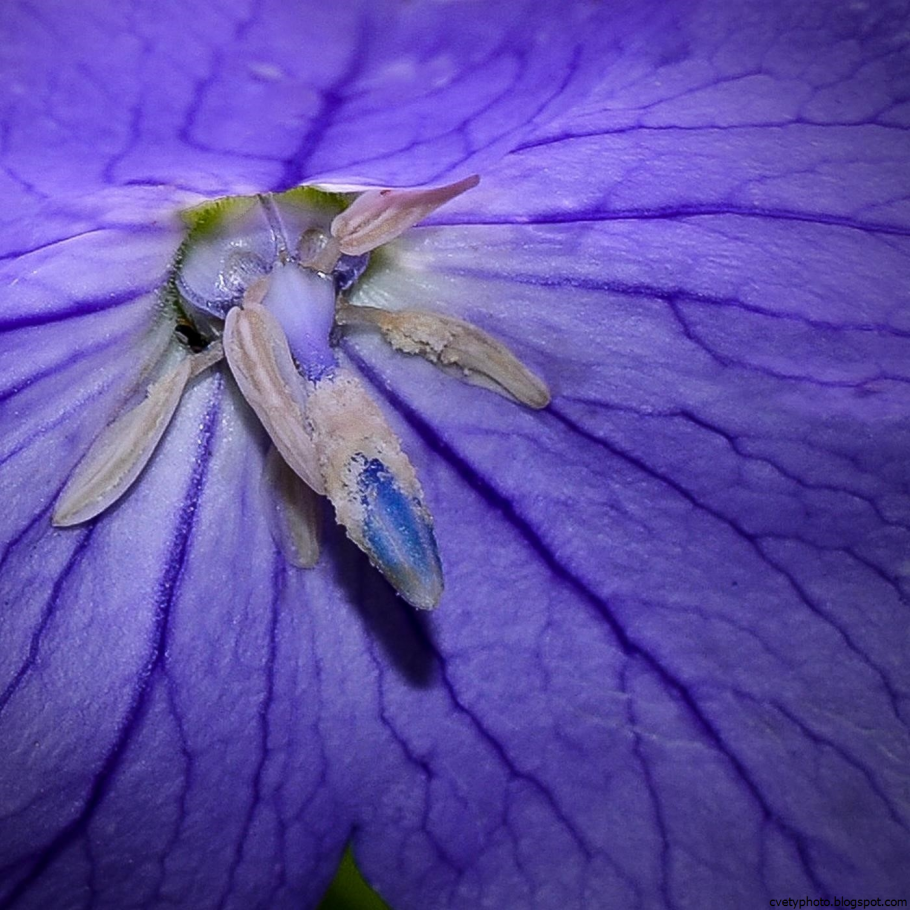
261	286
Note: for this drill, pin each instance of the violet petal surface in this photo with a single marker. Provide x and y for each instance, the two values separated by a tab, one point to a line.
670	668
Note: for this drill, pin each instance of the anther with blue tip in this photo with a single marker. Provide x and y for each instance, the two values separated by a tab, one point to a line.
398	536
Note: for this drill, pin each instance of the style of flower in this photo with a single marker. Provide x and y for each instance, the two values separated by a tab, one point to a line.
668	669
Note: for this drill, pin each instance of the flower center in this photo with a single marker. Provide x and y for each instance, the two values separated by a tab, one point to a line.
281	250
261	282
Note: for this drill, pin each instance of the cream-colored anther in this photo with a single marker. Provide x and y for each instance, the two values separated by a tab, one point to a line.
206	358
378	216
455	346
117	457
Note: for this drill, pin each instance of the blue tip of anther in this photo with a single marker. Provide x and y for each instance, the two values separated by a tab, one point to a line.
398	537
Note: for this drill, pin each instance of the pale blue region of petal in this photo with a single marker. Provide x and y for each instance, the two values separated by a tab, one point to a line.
147	760
247	97
86	272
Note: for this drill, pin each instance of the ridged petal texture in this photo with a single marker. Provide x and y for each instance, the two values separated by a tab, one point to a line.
670	666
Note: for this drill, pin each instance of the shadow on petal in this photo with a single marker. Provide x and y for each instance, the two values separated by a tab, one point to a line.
405	635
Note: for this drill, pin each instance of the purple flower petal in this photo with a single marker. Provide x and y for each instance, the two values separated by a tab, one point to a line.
669	667
232	97
171	669
717	491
